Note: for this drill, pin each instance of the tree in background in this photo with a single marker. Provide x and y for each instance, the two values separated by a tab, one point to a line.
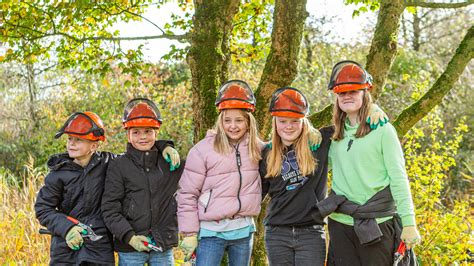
79	35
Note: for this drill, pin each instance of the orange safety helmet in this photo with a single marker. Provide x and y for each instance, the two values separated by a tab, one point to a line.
141	112
349	76
86	125
289	102
235	94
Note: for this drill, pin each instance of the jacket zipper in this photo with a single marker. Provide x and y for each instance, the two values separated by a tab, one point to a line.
208	201
239	163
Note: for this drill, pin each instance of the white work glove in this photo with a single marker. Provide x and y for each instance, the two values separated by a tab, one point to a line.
172	157
410	236
74	238
315	139
137	243
376	117
188	245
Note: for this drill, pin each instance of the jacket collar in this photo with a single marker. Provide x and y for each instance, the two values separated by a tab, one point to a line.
144	159
64	162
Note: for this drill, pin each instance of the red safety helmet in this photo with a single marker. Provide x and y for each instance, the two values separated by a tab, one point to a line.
141	112
289	102
235	94
349	76
86	125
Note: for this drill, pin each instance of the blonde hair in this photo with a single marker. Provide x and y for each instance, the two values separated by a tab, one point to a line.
306	162
221	142
339	118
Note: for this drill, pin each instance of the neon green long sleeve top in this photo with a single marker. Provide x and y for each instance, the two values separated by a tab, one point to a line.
363	166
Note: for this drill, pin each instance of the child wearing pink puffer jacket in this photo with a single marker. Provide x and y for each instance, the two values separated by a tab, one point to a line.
220	189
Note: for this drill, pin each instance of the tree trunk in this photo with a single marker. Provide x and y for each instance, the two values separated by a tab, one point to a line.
416	31
464	53
282	61
32	92
209	58
280	70
384	43
323	117
381	55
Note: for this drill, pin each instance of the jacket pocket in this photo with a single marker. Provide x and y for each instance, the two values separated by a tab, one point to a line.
128	207
204	199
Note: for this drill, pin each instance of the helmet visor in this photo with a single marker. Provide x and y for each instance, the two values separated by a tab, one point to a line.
139	108
349	72
80	124
289	100
236	90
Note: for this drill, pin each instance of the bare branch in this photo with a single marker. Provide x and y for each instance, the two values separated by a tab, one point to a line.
181	37
436	5
52	86
144	18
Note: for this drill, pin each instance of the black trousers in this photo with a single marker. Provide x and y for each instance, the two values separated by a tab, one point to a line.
345	248
298	246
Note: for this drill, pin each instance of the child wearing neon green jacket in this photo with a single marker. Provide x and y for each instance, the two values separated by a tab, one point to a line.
369	178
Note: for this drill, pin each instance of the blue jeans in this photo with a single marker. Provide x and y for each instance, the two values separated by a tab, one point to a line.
211	250
153	258
288	245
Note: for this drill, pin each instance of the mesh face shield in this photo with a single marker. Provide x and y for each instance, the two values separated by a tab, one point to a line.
289	102
141	112
235	94
347	76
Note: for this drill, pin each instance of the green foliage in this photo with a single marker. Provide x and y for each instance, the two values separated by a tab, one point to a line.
365	6
165	84
446	229
251	33
76	33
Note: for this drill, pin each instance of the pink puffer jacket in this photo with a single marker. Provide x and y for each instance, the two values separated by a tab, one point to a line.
209	185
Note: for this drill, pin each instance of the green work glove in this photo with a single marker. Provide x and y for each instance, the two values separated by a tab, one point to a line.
172	157
74	238
269	144
315	139
376	117
410	236
188	245
137	243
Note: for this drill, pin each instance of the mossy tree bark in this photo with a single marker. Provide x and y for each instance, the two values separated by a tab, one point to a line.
384	43
282	61
280	70
381	55
415	112
209	57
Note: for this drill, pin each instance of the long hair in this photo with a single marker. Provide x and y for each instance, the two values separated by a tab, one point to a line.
339	118
222	144
304	156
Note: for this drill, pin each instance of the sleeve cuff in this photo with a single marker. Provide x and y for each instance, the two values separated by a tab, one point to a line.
408	220
128	236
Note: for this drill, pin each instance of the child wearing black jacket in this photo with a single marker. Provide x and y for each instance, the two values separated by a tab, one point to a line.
138	203
73	188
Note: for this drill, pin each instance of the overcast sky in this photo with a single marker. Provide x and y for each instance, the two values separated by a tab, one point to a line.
346	27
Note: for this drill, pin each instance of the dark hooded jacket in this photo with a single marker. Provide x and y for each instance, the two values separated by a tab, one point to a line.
76	191
294	207
139	198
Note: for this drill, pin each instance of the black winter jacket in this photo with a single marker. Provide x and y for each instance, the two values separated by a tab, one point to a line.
294	207
139	198
71	190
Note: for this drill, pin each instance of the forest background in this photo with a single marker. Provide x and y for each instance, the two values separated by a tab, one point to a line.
59	57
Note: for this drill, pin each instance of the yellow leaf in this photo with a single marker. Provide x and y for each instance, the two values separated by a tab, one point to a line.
90	20
105	83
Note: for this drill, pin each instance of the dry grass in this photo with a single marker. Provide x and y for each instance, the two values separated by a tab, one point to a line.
20	241
21	244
